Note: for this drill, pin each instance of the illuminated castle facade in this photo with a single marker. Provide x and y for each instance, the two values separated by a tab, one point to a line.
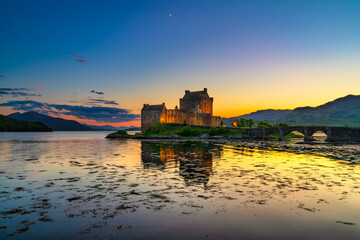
196	108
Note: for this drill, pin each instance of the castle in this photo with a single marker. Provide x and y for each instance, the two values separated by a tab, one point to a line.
196	108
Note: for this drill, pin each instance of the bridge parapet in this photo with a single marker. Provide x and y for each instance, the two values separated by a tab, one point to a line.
334	134
340	134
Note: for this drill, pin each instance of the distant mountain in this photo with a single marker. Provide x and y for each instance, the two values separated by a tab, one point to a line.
102	128
343	111
11	125
132	128
57	124
111	128
269	115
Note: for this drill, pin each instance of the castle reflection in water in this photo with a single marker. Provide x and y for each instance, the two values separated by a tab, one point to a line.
194	159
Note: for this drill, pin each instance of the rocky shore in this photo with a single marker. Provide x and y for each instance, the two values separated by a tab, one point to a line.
346	151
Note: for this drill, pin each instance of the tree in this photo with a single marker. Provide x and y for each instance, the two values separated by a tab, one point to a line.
263	124
242	122
250	123
280	125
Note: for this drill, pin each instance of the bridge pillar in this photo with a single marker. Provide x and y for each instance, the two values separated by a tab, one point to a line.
329	137
263	133
282	135
307	135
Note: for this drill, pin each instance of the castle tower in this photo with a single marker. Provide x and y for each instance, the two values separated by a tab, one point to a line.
197	100
150	114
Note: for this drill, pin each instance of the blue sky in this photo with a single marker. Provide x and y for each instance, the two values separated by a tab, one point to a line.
249	54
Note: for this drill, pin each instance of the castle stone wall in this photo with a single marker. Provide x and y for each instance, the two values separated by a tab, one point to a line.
195	109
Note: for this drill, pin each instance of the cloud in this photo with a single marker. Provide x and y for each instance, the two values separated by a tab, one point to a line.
83	61
94	100
95	92
26	105
100	114
14	89
23	94
76	55
15	92
41	84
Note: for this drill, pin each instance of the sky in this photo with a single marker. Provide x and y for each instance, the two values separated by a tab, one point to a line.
98	62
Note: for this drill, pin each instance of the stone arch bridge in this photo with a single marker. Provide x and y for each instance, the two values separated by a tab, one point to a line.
333	134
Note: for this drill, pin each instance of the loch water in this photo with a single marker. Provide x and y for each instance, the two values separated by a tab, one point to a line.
79	185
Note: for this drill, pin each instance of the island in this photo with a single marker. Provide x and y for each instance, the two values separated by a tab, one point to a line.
194	119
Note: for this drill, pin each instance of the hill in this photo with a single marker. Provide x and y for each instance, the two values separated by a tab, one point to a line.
269	115
132	128
102	128
12	125
111	128
343	111
57	124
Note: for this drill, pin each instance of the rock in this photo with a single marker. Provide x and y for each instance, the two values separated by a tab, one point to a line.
174	136
236	136
116	135
171	136
204	136
157	137
111	135
217	137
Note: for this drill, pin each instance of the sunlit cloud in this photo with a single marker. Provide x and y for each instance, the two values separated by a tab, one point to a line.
41	84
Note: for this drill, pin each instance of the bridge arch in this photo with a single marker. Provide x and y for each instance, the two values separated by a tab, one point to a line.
294	134
285	131
318	135
271	132
310	131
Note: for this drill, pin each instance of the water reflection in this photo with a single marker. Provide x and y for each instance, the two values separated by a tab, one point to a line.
126	189
194	159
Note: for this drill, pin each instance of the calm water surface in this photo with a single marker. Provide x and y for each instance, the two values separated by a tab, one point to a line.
78	185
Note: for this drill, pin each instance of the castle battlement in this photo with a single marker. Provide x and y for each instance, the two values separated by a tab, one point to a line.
196	108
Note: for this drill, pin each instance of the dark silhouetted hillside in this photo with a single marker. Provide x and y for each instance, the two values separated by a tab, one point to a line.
11	125
102	128
57	124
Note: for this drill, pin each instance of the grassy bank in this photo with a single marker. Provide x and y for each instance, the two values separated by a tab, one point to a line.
162	129
187	131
